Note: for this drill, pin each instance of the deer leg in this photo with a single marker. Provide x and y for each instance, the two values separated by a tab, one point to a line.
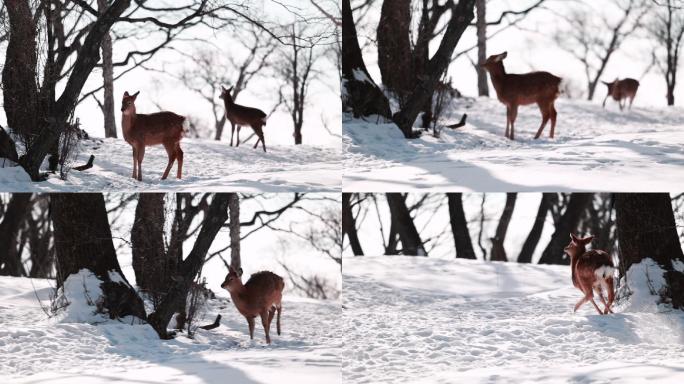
171	153
238	136
135	163
622	104
264	322
508	120
179	156
631	100
141	155
553	119
545	111
514	115
260	133
580	303
604	100
232	132
250	322
611	294
279	309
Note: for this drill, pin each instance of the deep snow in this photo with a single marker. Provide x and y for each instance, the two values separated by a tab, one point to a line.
593	150
412	319
36	349
208	166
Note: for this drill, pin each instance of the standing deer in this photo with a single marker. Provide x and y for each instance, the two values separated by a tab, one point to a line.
592	271
262	295
141	131
621	90
514	90
239	115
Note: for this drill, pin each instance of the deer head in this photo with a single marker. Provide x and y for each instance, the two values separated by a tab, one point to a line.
226	94
577	246
611	86
128	102
232	280
494	61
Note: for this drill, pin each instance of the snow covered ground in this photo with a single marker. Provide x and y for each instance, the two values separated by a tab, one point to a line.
208	166
36	349
593	150
429	320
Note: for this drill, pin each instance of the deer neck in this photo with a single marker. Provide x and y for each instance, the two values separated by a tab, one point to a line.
498	73
128	118
574	258
238	296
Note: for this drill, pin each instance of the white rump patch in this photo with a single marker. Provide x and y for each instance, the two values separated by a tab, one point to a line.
604	271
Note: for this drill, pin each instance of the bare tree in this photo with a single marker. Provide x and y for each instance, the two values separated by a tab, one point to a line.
107	78
403	225
459	227
566	224
498	251
667	29
349	222
532	239
10	228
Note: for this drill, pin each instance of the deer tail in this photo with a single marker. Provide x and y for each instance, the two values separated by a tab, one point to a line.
263	120
604	271
185	125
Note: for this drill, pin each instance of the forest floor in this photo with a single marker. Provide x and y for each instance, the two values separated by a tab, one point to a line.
420	320
35	349
594	149
208	165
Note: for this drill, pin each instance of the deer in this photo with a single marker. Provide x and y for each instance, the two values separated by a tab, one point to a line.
621	90
261	296
239	115
592	271
140	131
514	90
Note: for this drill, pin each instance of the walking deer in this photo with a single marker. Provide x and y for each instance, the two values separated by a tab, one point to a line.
261	295
514	90
592	271
142	131
239	115
622	90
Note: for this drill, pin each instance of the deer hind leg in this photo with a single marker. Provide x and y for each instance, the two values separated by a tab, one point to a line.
514	115
238	136
265	323
508	121
279	308
135	163
260	133
553	119
631	100
546	113
611	294
179	156
141	155
232	133
250	322
171	153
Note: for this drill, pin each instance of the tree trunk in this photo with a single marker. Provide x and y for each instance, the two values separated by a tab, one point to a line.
428	79
13	219
108	78
360	94
411	243
498	250
83	240
537	228
647	229
151	264
349	225
553	254
481	25
215	216
394	46
459	227
234	227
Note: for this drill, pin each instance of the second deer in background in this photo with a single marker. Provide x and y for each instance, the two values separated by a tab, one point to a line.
622	90
239	115
522	89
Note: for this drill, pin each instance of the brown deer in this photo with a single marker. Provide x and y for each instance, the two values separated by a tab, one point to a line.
514	90
142	131
262	295
592	271
622	90
239	115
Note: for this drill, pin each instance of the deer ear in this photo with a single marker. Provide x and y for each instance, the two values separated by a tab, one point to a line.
588	239
574	238
126	94
136	94
503	55
224	88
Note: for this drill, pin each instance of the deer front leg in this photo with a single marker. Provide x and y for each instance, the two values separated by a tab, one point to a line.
265	323
232	132
141	155
508	120
279	308
546	113
604	100
171	153
135	163
238	136
250	322
514	115
179	156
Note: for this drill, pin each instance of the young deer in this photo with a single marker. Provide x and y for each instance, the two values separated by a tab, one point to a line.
261	295
514	90
592	271
622	90
142	131
240	115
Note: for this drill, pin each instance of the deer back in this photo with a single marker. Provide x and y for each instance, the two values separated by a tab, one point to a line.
157	128
261	291
529	88
624	88
239	114
588	263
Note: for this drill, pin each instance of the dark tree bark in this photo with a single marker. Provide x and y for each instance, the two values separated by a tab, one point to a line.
234	228
8	148
462	15
360	94
349	225
215	216
40	238
577	206
498	251
481	25
459	227
394	46
83	240
647	229
13	219
411	244
535	233
153	267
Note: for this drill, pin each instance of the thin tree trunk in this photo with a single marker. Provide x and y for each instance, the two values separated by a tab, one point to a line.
459	227
647	229
13	219
108	79
537	228
234	228
553	253
349	225
411	244
481	25
83	240
498	250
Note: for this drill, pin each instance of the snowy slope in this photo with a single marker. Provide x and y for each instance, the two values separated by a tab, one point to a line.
593	150
438	321
35	349
208	166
